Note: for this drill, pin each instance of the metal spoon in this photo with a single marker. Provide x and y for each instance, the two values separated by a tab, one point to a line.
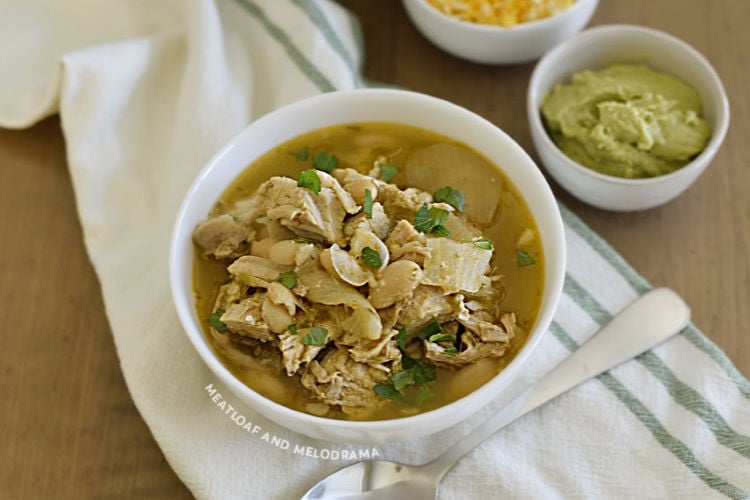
647	321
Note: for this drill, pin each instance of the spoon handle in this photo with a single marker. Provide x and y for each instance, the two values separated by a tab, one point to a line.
647	321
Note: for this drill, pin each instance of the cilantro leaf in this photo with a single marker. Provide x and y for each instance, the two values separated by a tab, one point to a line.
451	350
325	161
371	257
401	338
431	220
450	196
524	259
441	337
388	171
288	279
431	329
483	244
292	329
422	219
387	391
402	379
317	337
214	319
440	230
367	203
421	371
309	179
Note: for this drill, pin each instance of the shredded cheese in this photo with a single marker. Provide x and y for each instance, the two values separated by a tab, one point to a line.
501	12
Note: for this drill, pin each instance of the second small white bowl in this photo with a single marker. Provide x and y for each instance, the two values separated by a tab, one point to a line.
596	48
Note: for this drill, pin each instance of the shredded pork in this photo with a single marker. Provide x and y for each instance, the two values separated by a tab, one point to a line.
348	291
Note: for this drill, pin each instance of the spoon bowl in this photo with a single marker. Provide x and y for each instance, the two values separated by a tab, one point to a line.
623	338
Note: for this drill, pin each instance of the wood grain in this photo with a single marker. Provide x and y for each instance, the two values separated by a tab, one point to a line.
67	424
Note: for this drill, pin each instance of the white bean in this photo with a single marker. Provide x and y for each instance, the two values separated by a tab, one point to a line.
397	282
260	248
283	252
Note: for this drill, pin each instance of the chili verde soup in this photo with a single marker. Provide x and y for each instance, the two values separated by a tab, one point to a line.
368	271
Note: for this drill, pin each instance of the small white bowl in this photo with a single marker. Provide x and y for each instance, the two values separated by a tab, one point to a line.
370	105
488	44
596	48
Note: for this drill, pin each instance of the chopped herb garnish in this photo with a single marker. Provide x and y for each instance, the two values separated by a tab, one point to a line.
304	241
325	161
483	244
214	319
371	257
414	373
441	231
309	179
288	279
367	203
429	330
523	258
421	371
317	337
431	220
401	338
292	329
450	196
301	154
441	337
388	172
387	391
451	350
402	379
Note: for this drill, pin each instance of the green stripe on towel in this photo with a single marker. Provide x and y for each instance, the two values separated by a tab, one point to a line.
667	440
299	59
683	394
319	19
640	285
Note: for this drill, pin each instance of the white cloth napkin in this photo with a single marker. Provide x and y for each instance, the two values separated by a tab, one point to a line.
147	91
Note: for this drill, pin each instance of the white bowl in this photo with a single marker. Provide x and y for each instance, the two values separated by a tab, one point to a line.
325	110
598	47
487	44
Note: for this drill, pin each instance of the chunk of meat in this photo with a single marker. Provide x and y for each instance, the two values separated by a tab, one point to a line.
221	236
382	354
401	203
340	380
315	216
344	197
472	349
489	331
427	304
256	271
406	243
245	318
378	223
294	352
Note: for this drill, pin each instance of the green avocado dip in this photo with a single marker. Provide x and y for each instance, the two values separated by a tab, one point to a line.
627	121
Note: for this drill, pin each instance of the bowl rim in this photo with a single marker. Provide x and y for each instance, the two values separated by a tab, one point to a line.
180	254
492	28
534	98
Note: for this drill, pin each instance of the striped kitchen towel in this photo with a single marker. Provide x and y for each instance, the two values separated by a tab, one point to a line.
148	91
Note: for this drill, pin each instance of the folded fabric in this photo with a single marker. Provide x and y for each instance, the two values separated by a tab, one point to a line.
148	91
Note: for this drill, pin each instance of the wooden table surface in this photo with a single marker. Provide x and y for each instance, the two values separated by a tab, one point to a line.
68	428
